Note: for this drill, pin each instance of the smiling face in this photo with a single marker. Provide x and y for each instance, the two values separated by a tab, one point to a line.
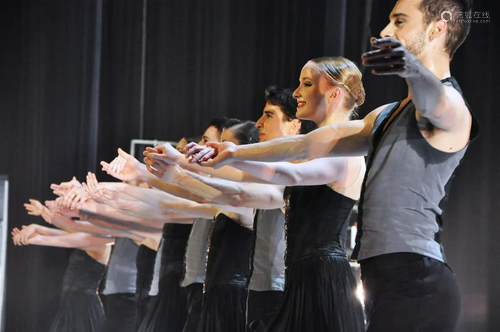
273	124
311	94
406	24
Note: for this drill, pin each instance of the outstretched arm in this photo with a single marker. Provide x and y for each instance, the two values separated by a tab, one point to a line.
69	224
82	241
250	195
443	106
314	172
127	168
145	201
342	139
168	154
165	201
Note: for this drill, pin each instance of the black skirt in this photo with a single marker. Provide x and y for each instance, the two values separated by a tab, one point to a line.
78	312
319	296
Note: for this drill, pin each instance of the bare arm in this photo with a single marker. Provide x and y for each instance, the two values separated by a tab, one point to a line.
36	234
250	195
66	223
165	201
313	172
42	230
127	168
82	241
343	139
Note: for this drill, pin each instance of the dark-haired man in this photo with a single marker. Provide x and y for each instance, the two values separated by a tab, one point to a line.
267	282
413	148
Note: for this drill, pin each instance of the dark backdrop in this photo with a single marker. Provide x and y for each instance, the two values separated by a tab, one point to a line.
80	78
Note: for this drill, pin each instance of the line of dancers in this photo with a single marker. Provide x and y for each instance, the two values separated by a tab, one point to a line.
249	222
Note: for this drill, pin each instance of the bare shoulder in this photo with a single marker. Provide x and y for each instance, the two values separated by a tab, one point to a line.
369	119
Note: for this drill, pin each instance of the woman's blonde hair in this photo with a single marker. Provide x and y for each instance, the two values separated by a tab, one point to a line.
344	73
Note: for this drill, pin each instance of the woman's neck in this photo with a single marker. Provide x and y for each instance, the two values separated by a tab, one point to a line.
333	117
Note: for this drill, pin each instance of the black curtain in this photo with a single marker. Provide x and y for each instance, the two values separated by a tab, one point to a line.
81	78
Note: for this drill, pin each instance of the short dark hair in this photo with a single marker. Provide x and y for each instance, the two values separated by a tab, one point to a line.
457	30
306	126
221	123
284	99
245	132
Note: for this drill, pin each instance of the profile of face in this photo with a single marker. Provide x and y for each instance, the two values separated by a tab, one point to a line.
210	135
311	94
228	136
406	24
181	145
273	124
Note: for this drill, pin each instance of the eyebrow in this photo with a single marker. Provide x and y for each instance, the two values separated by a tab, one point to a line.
396	15
205	138
268	112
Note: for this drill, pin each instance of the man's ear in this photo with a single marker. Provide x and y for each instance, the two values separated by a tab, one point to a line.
438	29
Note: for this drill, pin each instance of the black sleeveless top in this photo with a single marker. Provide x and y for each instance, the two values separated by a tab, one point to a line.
82	274
175	237
229	251
316	222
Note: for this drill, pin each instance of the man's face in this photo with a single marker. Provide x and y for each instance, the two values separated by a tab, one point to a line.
407	25
272	124
210	135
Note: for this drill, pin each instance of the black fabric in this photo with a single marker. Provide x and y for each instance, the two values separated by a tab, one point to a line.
169	309
59	57
80	309
320	288
145	262
195	303
261	308
228	271
415	294
121	313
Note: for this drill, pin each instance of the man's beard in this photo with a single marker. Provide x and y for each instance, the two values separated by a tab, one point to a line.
417	44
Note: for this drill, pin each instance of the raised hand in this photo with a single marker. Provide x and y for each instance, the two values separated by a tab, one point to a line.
195	152
34	207
124	167
164	171
391	58
48	216
22	236
221	154
56	207
62	188
101	192
75	198
166	153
